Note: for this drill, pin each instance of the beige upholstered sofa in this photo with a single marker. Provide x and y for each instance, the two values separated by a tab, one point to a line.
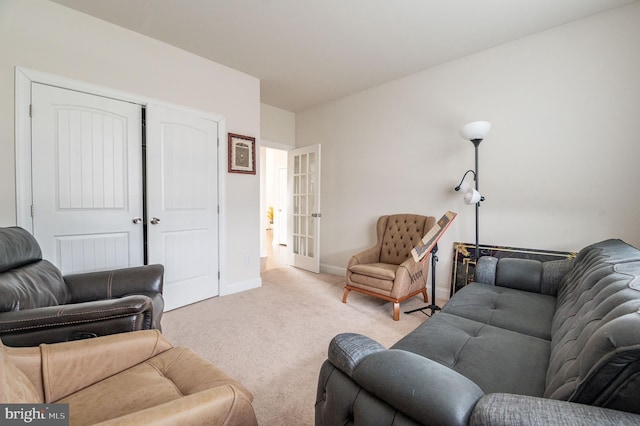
135	378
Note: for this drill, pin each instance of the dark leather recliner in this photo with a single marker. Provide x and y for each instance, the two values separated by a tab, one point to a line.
39	305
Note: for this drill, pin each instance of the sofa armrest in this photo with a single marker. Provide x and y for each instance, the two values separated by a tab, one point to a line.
89	286
222	405
422	389
485	272
500	409
56	372
30	327
552	273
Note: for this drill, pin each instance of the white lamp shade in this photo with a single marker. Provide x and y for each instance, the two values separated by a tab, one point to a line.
472	197
464	187
475	130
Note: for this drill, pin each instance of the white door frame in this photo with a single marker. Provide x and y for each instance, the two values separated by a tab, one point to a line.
23	79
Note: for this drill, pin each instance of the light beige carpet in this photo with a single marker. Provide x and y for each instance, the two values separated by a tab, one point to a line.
274	339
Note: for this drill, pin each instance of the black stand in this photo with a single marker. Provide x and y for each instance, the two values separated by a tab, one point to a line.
433	305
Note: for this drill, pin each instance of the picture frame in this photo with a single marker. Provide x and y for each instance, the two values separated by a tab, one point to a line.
242	154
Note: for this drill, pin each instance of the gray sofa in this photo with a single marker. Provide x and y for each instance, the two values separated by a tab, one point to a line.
529	343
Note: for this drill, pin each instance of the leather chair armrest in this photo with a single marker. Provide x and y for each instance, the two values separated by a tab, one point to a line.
116	283
500	409
16	325
370	255
221	405
97	358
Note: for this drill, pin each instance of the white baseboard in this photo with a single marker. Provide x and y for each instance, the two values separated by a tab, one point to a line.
333	270
232	288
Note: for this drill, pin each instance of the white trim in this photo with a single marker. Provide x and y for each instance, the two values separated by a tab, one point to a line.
23	150
24	77
222	195
333	270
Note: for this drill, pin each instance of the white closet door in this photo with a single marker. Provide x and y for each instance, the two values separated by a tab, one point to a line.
87	179
182	203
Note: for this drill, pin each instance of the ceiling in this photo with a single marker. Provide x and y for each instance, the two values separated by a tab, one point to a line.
306	52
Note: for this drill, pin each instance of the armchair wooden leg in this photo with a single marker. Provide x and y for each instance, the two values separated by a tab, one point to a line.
346	293
396	311
424	295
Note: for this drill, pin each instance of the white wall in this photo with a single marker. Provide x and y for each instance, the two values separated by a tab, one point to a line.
47	37
278	126
559	168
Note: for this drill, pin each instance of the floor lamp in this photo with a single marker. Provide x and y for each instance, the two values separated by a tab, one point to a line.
474	132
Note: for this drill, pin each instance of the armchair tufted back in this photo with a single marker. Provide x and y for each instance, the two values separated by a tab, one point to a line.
399	233
595	344
26	280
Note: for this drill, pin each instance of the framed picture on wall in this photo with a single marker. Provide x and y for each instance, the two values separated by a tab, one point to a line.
242	154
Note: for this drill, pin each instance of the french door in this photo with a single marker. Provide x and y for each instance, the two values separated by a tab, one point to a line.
304	214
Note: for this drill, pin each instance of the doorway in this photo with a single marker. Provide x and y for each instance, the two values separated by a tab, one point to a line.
273	187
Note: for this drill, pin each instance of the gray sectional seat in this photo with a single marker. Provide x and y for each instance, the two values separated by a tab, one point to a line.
529	343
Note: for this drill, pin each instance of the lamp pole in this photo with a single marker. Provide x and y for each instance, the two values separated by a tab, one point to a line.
475	132
476	143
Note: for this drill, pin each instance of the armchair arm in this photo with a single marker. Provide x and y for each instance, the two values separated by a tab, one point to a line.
31	327
370	255
55	372
422	389
410	276
500	409
89	286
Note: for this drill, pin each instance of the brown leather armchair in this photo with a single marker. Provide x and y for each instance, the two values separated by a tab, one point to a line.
387	270
39	305
134	378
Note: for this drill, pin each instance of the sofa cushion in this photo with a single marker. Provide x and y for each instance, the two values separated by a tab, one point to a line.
35	285
515	310
383	271
497	360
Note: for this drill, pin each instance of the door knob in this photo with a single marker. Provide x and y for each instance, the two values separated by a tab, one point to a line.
137	220
155	221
